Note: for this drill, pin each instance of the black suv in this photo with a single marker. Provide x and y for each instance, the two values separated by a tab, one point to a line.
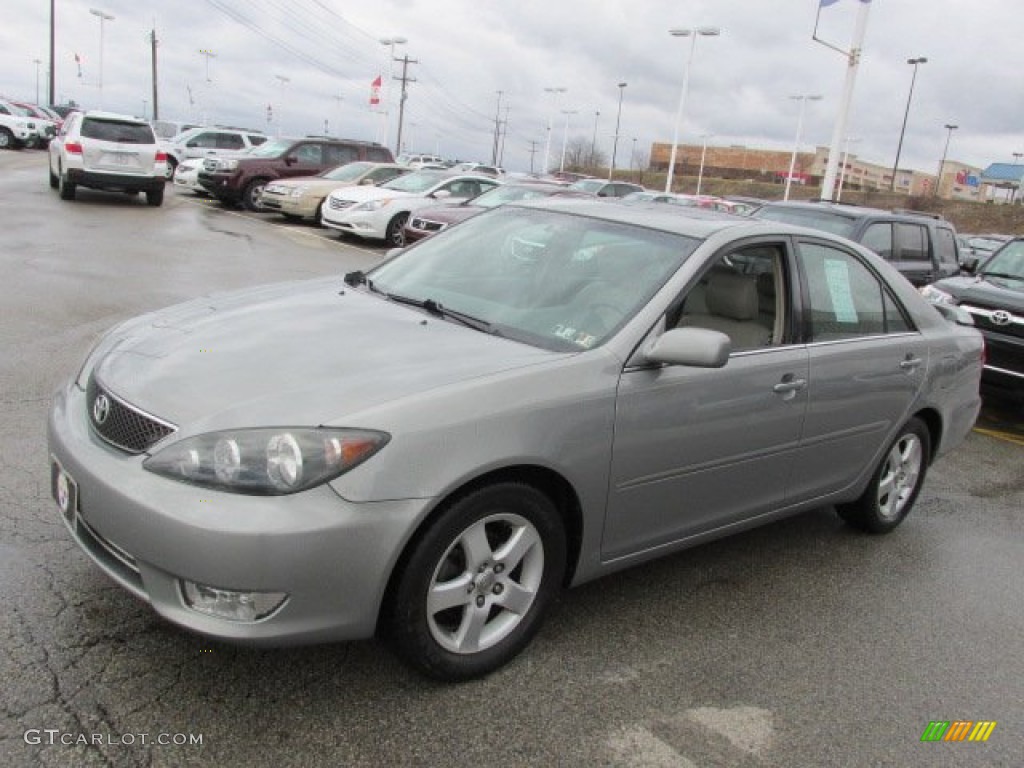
241	179
922	246
993	294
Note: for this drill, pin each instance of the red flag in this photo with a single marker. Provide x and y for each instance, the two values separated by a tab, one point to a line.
375	92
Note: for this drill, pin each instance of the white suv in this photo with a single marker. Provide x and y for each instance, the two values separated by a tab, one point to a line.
17	129
208	142
103	150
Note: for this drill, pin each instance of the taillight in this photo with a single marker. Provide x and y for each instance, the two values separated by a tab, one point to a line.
73	147
161	157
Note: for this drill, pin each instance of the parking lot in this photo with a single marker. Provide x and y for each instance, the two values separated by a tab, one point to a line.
798	644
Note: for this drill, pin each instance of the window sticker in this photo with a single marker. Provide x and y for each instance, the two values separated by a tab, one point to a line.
837	277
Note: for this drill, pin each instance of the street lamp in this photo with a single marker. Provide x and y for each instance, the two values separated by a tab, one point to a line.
390	42
842	171
284	81
615	141
593	141
207	54
693	34
703	154
103	17
803	99
942	165
899	147
565	136
547	146
38	62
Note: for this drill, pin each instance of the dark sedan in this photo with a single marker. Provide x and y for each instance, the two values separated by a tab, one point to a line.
428	221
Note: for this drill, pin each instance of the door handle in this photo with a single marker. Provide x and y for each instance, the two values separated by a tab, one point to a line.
911	363
789	386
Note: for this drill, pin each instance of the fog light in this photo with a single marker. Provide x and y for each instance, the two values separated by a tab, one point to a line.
229	604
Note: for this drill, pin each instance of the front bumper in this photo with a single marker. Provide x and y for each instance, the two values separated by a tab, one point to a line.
290	206
223	186
366	224
332	557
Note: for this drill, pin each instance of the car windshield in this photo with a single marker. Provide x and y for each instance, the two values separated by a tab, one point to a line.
507	194
592	186
184	136
825	220
1007	262
555	280
273	148
16	110
347	172
119	131
417	182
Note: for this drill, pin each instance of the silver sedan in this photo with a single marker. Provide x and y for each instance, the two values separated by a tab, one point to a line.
539	396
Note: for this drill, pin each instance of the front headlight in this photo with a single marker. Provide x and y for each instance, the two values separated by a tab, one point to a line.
298	191
226	164
266	461
936	296
371	205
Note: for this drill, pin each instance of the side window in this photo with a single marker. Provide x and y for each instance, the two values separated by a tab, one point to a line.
846	299
257	140
311	154
203	141
229	141
911	242
945	246
339	154
878	238
378	155
743	295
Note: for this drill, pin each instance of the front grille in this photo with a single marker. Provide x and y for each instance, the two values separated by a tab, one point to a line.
120	424
997	320
425	225
339	205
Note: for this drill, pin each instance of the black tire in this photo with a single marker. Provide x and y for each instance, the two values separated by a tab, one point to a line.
501	545
65	188
155	197
7	140
895	483
172	166
252	194
54	182
318	217
393	235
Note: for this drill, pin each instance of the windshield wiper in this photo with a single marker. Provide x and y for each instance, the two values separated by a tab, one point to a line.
1002	275
436	308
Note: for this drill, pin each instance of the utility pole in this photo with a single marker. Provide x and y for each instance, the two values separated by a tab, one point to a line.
504	135
497	131
53	90
533	152
156	102
405	79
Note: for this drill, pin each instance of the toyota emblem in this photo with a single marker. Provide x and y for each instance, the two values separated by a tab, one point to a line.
1001	317
100	409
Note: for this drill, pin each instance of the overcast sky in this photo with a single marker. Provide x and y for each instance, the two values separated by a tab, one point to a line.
468	50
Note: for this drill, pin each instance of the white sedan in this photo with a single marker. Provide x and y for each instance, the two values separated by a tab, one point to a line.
186	176
380	213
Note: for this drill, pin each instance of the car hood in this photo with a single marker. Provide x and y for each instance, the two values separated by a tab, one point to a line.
367	193
986	291
302	354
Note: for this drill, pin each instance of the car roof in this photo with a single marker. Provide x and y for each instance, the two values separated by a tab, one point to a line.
97	114
851	211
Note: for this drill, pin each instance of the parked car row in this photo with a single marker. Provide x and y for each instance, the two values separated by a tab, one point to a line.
26	125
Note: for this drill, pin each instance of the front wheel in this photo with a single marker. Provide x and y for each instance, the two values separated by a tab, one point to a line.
895	484
394	235
475	588
252	194
7	140
65	188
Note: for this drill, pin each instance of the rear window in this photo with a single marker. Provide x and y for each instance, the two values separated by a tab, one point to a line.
117	131
826	221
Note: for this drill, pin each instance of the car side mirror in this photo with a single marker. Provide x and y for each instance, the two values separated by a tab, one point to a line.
291	160
693	347
970	264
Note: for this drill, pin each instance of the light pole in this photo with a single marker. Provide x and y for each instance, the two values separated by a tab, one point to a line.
615	141
547	146
899	147
703	154
803	99
37	62
942	164
103	17
842	171
565	136
593	142
207	54
632	159
280	109
693	34
390	42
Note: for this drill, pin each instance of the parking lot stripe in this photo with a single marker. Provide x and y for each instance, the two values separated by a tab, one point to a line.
1005	436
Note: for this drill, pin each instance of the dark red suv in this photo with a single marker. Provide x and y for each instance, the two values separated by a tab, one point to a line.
241	179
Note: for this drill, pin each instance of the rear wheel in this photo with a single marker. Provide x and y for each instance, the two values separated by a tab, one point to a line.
476	586
155	197
394	235
54	183
172	165
895	483
65	188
